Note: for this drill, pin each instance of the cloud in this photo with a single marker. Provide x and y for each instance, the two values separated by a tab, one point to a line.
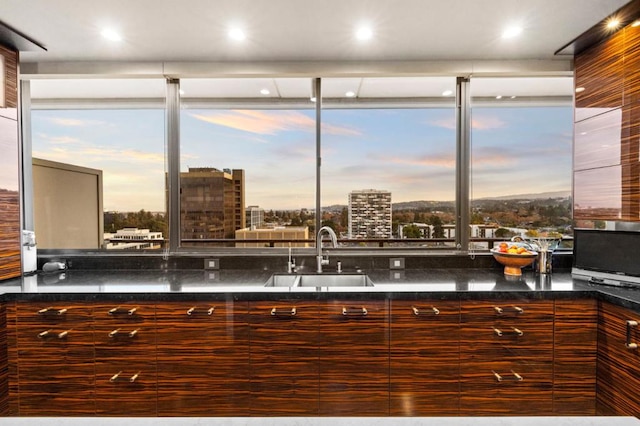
477	123
58	140
271	122
73	122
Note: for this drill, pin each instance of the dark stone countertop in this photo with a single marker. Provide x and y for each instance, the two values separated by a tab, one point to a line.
158	285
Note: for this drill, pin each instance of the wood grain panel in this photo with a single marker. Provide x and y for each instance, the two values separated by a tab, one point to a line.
600	71
128	331
203	359
618	371
4	362
13	403
424	358
11	77
632	65
132	393
575	353
354	358
46	335
284	358
483	395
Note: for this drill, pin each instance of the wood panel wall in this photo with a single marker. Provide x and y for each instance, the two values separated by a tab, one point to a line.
10	265
608	75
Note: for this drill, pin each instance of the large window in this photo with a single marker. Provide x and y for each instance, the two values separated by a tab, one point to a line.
252	164
98	164
522	133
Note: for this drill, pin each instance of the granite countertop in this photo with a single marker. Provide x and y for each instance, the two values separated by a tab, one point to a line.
446	283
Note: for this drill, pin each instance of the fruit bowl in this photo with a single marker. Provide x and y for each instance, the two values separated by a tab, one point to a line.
514	262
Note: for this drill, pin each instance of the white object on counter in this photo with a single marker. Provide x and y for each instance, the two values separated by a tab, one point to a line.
29	252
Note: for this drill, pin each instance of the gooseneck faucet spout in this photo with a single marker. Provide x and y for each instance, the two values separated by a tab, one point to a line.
334	241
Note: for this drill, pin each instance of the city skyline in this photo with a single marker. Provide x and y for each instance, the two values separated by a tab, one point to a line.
409	152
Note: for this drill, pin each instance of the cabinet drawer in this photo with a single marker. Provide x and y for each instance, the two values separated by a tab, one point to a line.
522	389
510	311
126	387
203	326
51	314
354	325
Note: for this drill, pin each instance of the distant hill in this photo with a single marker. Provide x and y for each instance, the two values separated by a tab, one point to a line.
425	204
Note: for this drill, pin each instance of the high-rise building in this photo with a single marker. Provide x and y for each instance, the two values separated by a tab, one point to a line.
370	214
255	217
211	203
272	236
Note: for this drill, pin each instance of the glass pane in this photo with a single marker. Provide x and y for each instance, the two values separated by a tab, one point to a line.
388	160
521	158
98	170
247	162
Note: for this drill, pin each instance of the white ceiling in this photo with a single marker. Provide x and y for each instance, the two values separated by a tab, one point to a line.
309	32
300	30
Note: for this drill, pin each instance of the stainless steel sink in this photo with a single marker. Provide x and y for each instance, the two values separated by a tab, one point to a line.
319	280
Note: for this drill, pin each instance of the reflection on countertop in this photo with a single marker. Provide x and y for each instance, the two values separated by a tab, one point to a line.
222	281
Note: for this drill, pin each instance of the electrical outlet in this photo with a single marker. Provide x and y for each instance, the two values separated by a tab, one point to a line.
396	263
212	264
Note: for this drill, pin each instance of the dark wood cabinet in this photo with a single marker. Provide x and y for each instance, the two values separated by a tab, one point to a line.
55	359
506	357
284	338
618	371
125	359
574	357
425	358
354	358
203	358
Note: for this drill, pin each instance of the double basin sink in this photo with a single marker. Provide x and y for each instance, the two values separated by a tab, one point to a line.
319	280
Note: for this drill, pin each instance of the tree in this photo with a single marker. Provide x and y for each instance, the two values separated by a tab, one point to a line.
411	231
503	233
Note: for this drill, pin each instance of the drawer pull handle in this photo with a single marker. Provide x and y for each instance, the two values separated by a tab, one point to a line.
116	377
416	311
115	310
192	311
355	311
500	333
516	377
116	333
500	311
50	310
44	334
290	313
64	334
629	344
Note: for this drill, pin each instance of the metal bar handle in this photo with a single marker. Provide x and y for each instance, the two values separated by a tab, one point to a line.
629	344
416	311
355	311
501	333
290	313
500	311
500	378
44	334
118	308
115	376
49	310
63	334
193	311
114	333
134	377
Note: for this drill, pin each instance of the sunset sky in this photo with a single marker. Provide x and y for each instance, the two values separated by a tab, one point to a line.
410	152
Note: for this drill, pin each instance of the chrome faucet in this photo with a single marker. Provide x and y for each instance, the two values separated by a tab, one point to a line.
334	241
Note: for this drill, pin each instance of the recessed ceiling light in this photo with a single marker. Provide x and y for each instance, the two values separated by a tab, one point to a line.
499	97
350	94
513	97
313	99
265	91
111	34
579	89
512	32
181	92
636	23
613	23
237	34
364	33
447	93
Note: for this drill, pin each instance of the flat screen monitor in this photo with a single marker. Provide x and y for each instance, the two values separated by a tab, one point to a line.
616	252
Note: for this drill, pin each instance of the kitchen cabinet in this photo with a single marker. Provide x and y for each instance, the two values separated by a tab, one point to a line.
574	357
125	359
618	372
425	358
506	358
55	359
354	358
203	358
283	358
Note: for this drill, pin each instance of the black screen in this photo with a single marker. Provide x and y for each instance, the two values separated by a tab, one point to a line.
607	251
